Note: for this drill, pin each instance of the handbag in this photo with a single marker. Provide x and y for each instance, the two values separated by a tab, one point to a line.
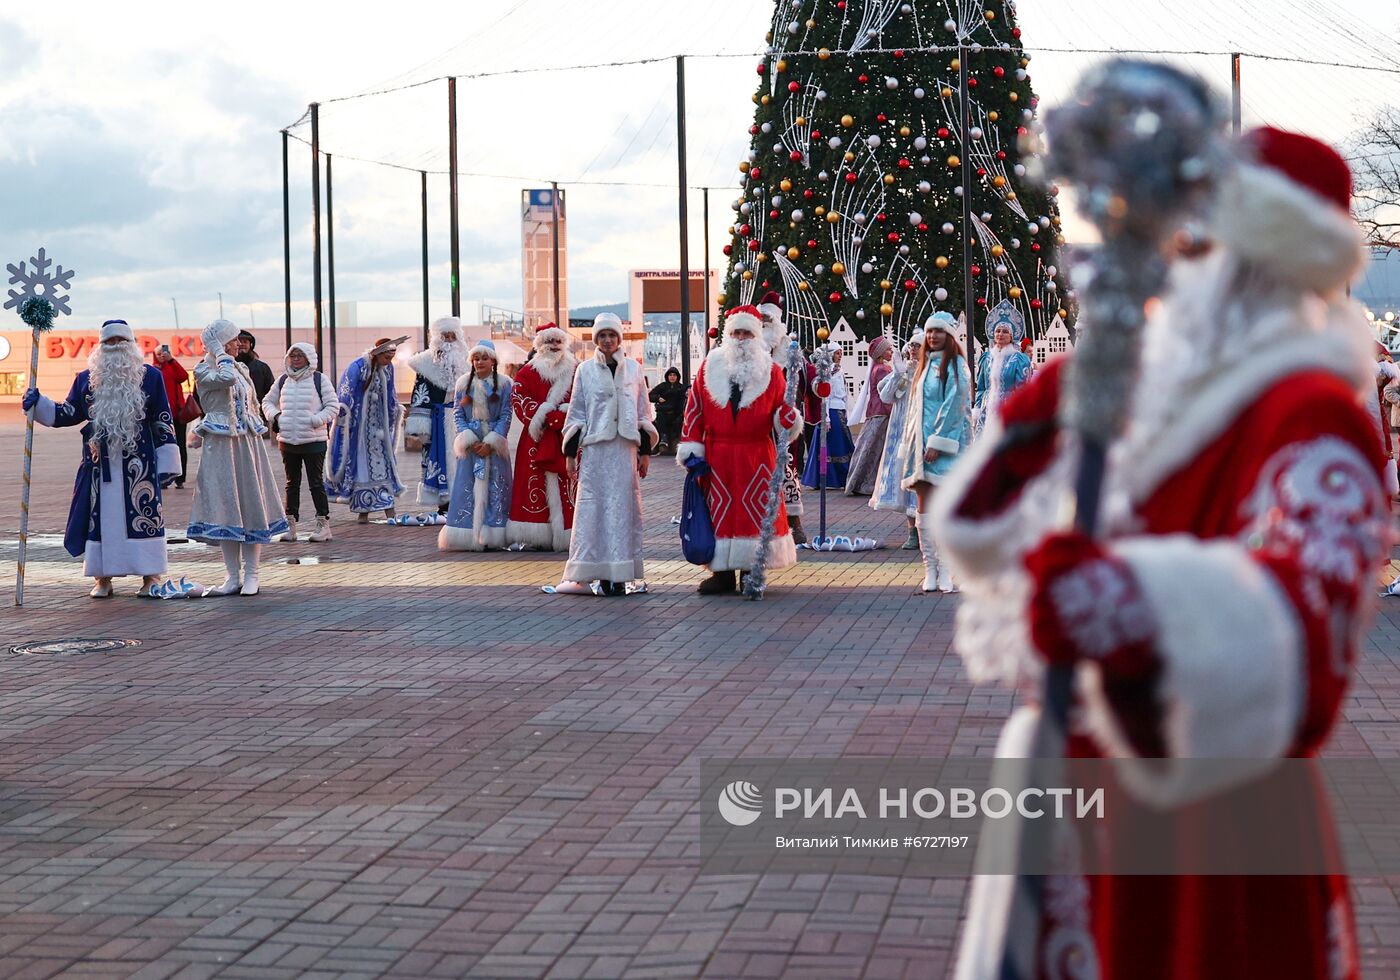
697	530
189	410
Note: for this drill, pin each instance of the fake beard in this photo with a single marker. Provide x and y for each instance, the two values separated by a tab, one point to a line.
453	358
748	362
118	403
552	366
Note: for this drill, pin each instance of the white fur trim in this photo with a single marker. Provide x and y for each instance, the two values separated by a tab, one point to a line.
536	426
985	545
713	378
646	426
45	411
532	534
1274	222
464	441
746	321
541	336
168	459
497	443
432	498
1232	687
551	536
687	449
943	444
738	553
418	426
424	365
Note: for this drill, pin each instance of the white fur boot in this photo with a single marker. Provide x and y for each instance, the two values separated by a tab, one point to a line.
928	548
231	584
250	569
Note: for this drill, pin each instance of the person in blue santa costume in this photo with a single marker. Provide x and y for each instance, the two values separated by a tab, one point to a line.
481	482
1222	612
363	471
1003	368
438	369
116	522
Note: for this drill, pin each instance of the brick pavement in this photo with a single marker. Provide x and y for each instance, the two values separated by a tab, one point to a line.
397	762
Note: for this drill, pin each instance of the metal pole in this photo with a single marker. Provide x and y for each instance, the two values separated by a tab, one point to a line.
28	465
554	233
684	219
177	312
286	238
424	175
452	195
221	306
705	196
330	265
1237	116
316	225
965	94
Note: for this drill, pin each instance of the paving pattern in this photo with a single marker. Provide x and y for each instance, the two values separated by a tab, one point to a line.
398	762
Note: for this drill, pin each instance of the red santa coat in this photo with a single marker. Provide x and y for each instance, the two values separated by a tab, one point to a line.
541	502
1254	524
740	450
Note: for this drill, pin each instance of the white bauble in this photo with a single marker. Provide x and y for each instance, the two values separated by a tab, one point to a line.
975	132
860	314
1051	287
867	268
1015	243
951	26
925	187
872	141
799	215
823	176
919	93
819	270
857	242
1002	270
834	142
821	95
891	82
766	128
860	218
940	294
949	228
1033	228
793	27
1044	221
986	216
1051	271
746	208
915	218
1019	170
958	191
904	250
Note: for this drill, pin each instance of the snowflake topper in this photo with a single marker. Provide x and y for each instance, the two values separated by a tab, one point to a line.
39	284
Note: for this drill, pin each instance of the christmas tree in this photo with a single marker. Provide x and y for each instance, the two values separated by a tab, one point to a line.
852	201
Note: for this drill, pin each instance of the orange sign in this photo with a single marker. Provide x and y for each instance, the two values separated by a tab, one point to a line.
73	348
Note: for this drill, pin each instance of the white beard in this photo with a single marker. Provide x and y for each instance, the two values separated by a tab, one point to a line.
118	404
454	360
746	363
552	367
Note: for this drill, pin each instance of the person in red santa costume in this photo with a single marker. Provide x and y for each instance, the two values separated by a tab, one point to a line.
1221	614
541	503
734	407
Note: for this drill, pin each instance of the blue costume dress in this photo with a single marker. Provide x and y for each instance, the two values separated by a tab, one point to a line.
480	498
999	372
939	411
894	390
116	522
363	470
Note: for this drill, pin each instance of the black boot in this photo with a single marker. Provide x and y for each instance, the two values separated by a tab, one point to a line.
613	588
720	583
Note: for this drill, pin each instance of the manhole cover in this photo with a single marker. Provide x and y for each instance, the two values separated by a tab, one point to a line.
69	647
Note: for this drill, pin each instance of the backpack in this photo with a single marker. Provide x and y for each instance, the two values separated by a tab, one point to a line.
282	383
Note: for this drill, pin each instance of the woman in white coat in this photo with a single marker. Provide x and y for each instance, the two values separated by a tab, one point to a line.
300	406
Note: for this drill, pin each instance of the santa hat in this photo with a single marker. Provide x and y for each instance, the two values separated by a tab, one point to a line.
116	328
607	321
442	325
771	305
879	347
549	332
743	318
486	347
217	335
1286	208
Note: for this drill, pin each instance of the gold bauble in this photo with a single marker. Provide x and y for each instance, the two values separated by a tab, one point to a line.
794	252
1064	314
946	92
955	65
885	284
823	333
990	14
762	256
904	130
804	285
998	251
720	300
744	166
1014	292
1025	62
838	268
764	100
823	54
781	65
1014	97
889	178
833	217
954	160
941	262
849	157
786	184
1011	195
848	121
748	274
819	211
801	120
886	309
993	115
811	23
755	98
1059	239
997	181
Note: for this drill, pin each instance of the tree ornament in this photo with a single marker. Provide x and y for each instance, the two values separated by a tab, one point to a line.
838	268
784	185
835	296
886	309
848	121
889	179
940	294
832	217
804	285
823	54
941	262
949	228
886	284
919	93
954	160
915	218
910	285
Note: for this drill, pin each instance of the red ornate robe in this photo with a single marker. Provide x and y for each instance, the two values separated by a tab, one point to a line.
541	504
738	445
1253	521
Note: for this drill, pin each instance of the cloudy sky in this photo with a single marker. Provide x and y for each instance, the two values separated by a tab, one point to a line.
140	142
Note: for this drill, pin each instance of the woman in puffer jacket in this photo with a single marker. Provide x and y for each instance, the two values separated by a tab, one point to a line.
299	407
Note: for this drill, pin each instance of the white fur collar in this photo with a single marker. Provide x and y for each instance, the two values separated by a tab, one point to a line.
481	391
437	372
562	371
714	378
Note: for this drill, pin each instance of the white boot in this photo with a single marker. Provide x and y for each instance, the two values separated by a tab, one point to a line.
291	533
250	569
928	548
231	584
323	530
945	579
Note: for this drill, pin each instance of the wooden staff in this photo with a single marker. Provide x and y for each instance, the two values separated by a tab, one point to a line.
39	314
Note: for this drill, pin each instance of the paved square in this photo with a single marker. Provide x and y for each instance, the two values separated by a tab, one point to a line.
398	762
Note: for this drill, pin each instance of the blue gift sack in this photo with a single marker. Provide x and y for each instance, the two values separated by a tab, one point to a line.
697	531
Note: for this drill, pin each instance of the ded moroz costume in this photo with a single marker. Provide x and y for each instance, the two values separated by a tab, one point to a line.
116	522
542	505
363	470
735	405
476	518
438	369
1244	523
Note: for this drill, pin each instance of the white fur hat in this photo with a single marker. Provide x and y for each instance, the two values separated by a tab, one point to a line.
607	321
116	328
743	318
444	324
487	347
217	335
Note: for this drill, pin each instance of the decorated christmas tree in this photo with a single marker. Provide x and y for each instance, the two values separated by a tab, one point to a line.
852	192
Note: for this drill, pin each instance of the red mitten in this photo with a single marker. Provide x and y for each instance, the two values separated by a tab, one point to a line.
1087	605
555	420
788	417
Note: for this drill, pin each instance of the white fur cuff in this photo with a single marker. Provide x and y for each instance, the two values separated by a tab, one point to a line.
419	426
685	450
536	427
497	443
943	444
45	412
464	442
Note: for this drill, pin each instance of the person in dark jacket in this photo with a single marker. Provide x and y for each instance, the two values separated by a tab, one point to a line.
258	369
669	399
175	376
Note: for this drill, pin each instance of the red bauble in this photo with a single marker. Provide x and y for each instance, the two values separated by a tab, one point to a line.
943	132
1015	32
910	285
981	171
840	4
862	78
1035	246
923	226
881	117
713	332
753	244
893	238
1036	304
753	130
794	86
882	216
999	71
1001	154
774	214
728	250
746	229
808	194
899	52
755	172
835	297
976	270
904	164
1020	130
795	156
762	68
851	178
811	243
816	134
981	301
972	83
822	389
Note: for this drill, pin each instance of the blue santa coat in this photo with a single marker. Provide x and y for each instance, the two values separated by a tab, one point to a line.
145	517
